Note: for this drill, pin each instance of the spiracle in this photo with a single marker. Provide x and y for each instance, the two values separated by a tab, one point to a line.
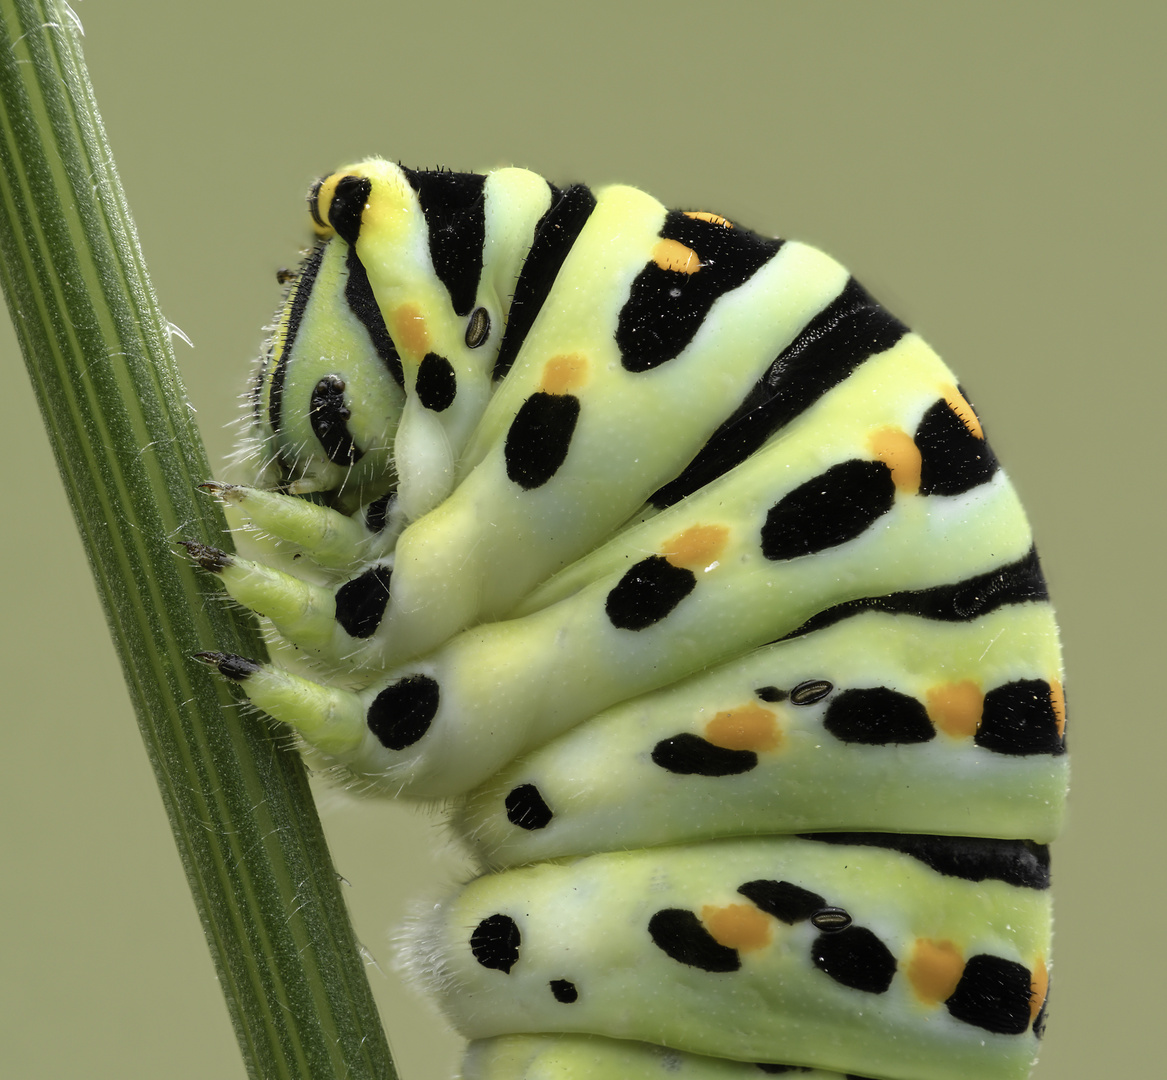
684	572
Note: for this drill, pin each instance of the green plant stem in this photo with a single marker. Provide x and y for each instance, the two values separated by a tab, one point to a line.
98	352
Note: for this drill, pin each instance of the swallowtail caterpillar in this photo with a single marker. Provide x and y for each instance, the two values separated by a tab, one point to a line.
684	570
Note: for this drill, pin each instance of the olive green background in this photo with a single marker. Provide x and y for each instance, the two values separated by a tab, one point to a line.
993	172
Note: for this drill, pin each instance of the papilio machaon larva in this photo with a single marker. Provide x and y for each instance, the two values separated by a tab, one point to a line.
684	570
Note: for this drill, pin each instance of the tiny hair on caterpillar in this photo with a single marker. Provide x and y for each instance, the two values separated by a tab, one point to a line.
684	573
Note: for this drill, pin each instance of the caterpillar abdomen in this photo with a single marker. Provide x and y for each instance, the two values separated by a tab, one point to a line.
685	570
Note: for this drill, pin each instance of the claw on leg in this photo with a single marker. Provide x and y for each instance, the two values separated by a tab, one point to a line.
329	537
303	613
329	719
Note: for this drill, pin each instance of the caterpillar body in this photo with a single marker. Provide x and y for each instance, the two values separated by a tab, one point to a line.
683	570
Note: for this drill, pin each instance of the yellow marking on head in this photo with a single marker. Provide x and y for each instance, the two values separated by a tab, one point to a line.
738	926
320	205
562	374
956	707
748	727
673	255
934	970
1038	988
410	333
1058	697
899	453
959	405
393	206
697	546
713	219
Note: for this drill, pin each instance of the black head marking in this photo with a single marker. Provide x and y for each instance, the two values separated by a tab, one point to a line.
358	294
303	290
347	206
328	414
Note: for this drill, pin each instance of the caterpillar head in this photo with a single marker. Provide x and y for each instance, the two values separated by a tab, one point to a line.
377	362
330	393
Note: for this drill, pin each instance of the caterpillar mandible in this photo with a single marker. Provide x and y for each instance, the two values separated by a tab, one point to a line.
685	572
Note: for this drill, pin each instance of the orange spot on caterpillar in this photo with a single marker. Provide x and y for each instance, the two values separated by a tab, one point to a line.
410	333
672	255
697	546
956	707
934	970
959	405
1058	697
713	219
562	374
1038	988
900	454
748	727
737	926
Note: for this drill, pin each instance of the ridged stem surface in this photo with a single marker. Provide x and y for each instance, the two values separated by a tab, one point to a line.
99	356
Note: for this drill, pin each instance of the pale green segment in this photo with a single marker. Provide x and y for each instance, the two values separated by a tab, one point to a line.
332	341
508	687
890	390
590	1057
329	719
580	314
515	202
393	246
477	554
302	611
302	608
332	539
587	922
606	792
